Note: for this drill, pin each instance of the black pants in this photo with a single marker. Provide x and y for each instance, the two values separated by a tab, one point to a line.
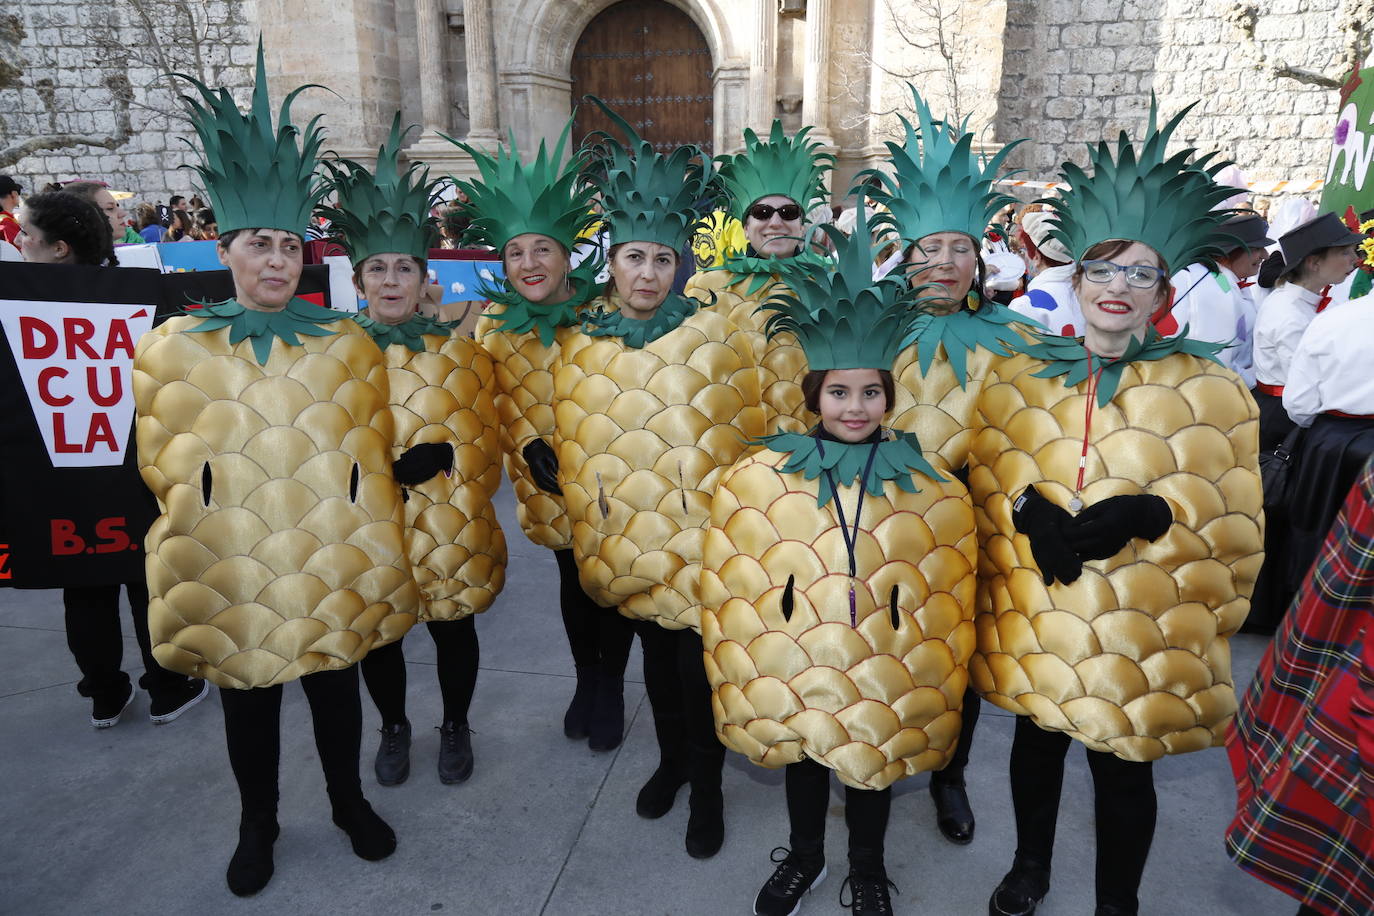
599	637
967	724
455	643
97	642
865	813
252	731
680	698
1124	806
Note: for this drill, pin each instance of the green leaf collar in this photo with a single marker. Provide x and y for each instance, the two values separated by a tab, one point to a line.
299	317
409	333
1067	356
898	458
636	332
520	315
762	271
990	326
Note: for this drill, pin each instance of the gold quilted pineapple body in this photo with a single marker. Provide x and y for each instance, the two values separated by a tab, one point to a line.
280	551
524	402
643	436
1133	658
782	364
453	539
877	699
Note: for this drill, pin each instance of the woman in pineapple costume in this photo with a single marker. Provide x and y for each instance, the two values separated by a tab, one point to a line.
771	186
838	586
938	199
535	216
1120	527
655	398
441	401
264	433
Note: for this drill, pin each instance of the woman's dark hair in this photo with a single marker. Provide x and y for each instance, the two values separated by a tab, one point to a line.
1105	251
1299	270
227	239
145	215
203	219
86	190
455	222
814	381
64	217
178	225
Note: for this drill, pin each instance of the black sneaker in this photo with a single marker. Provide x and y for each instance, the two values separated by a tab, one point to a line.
164	707
455	752
106	710
868	894
791	880
1021	890
392	765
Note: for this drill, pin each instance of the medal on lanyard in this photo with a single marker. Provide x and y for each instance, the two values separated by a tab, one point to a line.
851	542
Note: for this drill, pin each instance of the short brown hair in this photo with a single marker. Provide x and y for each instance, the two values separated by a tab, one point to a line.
814	381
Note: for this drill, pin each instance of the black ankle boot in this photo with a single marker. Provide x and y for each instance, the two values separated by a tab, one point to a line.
953	814
658	794
577	720
706	823
1021	890
607	721
372	838
251	866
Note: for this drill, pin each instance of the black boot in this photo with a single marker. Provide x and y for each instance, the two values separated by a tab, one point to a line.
706	822
455	752
953	814
1021	890
658	794
393	755
577	720
251	866
607	722
372	838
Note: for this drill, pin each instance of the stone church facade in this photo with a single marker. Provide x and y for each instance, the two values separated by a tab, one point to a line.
1059	72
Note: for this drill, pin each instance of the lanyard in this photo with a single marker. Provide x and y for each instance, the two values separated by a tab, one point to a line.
851	541
1076	504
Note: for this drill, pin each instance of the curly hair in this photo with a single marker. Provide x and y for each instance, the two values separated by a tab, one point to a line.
65	217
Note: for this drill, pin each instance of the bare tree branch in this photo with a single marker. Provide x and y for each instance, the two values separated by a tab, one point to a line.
12	154
1355	27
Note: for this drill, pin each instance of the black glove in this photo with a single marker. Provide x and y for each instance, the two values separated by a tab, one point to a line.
1102	529
543	465
421	462
1044	523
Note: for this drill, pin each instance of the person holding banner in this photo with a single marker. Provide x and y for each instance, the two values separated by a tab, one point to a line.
442	401
265	432
61	228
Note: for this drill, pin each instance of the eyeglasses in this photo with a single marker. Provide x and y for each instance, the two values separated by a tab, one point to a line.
1140	276
763	212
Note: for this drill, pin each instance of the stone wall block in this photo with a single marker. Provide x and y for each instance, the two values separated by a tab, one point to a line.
1121	34
1063	108
1094	60
1079	35
1076	85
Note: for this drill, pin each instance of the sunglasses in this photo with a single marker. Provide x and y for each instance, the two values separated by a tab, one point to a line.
764	212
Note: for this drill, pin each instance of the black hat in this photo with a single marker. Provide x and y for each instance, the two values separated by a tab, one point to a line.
1324	231
1249	229
8	186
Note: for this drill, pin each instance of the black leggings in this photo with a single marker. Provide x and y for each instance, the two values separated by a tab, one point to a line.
97	642
455	642
968	723
599	637
865	813
252	731
1124	806
680	699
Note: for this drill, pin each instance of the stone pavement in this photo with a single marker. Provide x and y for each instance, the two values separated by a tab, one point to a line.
142	819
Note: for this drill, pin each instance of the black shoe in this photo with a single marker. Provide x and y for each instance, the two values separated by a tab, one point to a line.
658	794
251	867
372	838
1111	909
705	823
163	707
952	812
1021	890
868	894
455	752
393	754
576	721
607	721
793	879
106	710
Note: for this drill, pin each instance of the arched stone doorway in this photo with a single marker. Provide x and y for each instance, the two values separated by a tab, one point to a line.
648	60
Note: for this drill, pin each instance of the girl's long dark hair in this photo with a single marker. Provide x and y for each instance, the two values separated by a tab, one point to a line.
65	217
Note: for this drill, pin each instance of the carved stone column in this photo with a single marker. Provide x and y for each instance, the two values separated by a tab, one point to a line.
483	130
816	76
430	25
763	66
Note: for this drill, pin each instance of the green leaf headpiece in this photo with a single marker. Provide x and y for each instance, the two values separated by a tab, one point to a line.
840	315
939	184
547	197
385	211
1139	195
789	166
256	177
647	196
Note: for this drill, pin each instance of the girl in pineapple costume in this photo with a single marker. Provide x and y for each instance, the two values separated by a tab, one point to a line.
771	186
1119	513
264	432
441	402
655	397
838	586
938	199
535	215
